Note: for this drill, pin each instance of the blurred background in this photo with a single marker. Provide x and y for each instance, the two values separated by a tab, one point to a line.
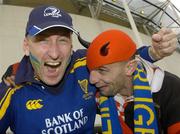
149	15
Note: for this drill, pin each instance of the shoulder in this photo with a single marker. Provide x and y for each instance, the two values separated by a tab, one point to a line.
169	94
79	60
169	77
6	98
80	53
171	83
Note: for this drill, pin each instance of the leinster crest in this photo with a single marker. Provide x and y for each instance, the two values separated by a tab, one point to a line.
84	86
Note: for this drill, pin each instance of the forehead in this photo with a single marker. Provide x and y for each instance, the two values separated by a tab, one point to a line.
55	31
113	65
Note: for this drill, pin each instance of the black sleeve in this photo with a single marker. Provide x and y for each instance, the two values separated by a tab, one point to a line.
169	100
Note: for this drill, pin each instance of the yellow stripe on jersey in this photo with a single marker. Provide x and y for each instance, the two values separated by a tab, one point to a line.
4	103
84	58
79	63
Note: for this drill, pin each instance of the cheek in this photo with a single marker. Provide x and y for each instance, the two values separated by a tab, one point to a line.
114	77
120	80
107	80
35	62
65	51
37	57
39	51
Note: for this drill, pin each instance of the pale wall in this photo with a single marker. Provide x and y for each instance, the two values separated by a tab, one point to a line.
12	28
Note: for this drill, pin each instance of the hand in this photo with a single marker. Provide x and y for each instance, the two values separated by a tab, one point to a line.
164	43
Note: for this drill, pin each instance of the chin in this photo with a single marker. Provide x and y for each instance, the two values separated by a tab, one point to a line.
52	81
107	91
106	94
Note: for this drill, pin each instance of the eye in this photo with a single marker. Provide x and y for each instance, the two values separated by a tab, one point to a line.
44	42
102	70
63	40
41	40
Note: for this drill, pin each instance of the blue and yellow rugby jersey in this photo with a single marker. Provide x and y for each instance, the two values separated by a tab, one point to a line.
32	109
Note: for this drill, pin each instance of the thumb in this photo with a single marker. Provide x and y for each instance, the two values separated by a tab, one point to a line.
156	38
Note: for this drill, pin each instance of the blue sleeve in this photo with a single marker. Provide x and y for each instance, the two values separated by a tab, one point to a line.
144	53
4	123
4	113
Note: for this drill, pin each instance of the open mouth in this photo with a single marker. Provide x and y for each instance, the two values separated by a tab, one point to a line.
52	64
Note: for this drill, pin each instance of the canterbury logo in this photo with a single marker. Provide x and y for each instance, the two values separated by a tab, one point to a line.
34	104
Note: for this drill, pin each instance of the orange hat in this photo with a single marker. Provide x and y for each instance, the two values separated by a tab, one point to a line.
109	47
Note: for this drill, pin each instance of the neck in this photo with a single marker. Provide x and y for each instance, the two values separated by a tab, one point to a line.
127	90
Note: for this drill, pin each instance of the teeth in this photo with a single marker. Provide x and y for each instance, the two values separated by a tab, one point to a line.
52	64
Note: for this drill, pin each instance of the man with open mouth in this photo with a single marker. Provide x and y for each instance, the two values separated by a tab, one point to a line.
51	93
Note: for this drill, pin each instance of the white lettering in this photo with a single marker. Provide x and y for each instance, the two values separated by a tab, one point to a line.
76	125
64	128
70	127
67	117
49	130
65	123
81	122
85	119
48	123
54	122
58	130
43	131
61	118
76	115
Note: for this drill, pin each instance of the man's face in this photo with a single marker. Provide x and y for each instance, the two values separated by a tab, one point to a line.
110	79
49	53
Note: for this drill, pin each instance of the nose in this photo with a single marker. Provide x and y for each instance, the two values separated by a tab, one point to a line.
94	77
54	51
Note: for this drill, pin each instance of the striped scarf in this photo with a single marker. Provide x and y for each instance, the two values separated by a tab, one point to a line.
144	113
109	116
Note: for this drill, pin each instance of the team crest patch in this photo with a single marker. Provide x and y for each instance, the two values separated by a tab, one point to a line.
84	86
52	11
34	104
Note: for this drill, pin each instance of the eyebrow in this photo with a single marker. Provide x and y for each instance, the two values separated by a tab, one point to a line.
45	35
104	67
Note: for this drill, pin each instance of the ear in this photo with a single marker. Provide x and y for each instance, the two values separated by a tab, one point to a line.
26	46
130	67
71	49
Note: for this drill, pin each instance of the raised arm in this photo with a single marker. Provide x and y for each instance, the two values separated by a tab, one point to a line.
164	43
